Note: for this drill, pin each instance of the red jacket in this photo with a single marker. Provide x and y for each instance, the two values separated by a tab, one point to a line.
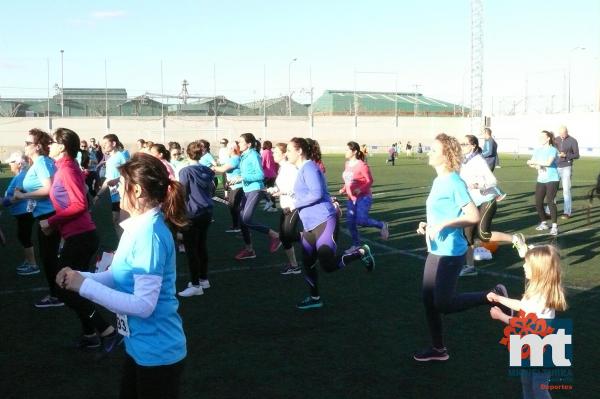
357	177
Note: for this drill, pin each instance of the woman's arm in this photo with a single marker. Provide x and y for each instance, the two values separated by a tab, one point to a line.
41	192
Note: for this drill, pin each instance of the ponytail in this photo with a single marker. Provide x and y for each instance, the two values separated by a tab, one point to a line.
353	146
550	136
173	206
115	139
302	143
315	150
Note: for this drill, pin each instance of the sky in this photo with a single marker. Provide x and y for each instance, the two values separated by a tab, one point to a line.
233	45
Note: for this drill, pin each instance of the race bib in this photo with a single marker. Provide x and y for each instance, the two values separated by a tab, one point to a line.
31	205
114	190
122	325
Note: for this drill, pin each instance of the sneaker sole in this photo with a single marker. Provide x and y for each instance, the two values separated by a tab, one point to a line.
434	358
272	250
21	273
468	274
246	257
286	273
55	305
315	306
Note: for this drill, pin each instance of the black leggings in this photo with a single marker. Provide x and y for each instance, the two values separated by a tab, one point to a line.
25	229
76	253
48	246
194	240
439	293
156	382
483	229
234	197
548	191
288	228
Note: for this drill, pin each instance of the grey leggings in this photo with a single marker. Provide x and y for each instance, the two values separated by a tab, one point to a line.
247	207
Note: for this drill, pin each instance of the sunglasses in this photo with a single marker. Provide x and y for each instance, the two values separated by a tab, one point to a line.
28	142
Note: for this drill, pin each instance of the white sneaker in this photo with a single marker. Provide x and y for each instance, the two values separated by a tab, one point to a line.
385	231
481	253
203	283
191	290
519	243
554	231
181	248
542	226
353	248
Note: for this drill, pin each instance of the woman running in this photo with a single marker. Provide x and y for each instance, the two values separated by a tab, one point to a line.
288	220
160	151
197	182
544	160
252	178
19	164
235	194
74	224
449	210
140	284
357	186
114	159
320	221
36	188
269	166
483	190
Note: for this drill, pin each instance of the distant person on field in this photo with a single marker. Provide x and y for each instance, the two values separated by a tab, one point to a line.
490	149
568	151
392	155
409	149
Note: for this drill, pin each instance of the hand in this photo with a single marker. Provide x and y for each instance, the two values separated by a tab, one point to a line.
492	297
496	313
18	195
45	226
356	191
562	154
276	194
341	190
69	279
421	228
530	162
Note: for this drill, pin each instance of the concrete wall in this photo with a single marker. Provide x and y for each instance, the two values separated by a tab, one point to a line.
514	134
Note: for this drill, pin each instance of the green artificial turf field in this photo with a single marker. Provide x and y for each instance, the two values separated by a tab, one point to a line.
246	339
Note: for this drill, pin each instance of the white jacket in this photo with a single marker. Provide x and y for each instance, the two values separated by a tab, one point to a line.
477	172
284	184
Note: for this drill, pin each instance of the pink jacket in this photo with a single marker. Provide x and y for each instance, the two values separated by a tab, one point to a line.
357	177
268	164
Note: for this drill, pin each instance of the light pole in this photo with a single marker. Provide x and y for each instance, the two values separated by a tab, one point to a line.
569	79
62	85
290	86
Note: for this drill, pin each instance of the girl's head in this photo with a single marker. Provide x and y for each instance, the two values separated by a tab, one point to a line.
37	143
543	274
205	145
247	141
445	152
298	150
111	143
194	150
17	162
267	145
65	141
279	152
315	150
175	153
145	184
141	143
546	137
354	151
472	144
160	151
234	148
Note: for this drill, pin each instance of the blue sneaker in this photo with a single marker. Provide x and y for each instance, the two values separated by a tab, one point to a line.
111	341
367	258
27	270
310	303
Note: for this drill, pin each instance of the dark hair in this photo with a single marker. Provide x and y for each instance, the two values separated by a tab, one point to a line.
550	136
474	141
594	192
141	141
267	145
174	144
85	159
162	150
157	188
353	146
41	139
194	150
249	138
205	145
488	130
315	150
114	139
302	143
69	139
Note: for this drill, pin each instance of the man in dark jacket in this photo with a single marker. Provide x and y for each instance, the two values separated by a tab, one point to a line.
568	150
490	149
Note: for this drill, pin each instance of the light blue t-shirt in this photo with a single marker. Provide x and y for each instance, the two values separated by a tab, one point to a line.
147	247
19	207
546	174
446	199
43	168
207	160
112	172
234	173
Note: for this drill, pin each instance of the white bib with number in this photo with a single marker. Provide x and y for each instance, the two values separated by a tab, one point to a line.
122	325
31	205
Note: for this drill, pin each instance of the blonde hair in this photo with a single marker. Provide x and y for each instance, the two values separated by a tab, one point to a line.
546	280
451	150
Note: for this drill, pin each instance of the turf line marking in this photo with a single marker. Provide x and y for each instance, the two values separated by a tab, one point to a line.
563	233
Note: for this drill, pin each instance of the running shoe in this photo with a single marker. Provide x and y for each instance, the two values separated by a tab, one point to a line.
233	230
245	254
289	269
25	265
519	243
565	216
49	302
501	197
29	270
385	231
275	244
205	284
272	209
111	341
353	248
554	231
468	271
542	226
367	258
500	290
432	353
310	303
87	342
191	290
181	248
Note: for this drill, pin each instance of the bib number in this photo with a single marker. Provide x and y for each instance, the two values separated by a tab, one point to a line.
122	325
31	205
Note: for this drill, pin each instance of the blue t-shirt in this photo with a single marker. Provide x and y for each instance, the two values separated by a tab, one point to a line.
112	172
19	207
446	199
147	247
234	173
43	168
207	160
546	173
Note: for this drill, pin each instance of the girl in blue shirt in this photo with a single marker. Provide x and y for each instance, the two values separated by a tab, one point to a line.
233	188
544	160
449	210
140	284
320	221
114	158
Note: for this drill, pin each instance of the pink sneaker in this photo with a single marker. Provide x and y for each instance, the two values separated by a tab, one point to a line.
275	244
245	254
